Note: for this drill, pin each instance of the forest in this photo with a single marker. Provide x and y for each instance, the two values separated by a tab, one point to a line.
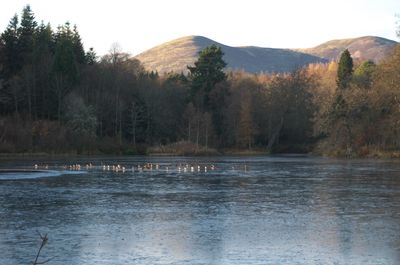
58	98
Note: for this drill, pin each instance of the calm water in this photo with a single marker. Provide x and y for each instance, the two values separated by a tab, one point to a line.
259	210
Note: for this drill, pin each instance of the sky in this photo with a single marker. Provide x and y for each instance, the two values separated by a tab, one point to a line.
137	25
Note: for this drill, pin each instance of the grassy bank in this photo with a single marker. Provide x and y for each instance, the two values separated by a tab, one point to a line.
185	148
182	148
327	149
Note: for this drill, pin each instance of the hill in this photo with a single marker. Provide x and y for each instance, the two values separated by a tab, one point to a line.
363	48
175	55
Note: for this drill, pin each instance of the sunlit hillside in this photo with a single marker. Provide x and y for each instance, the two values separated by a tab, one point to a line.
175	55
363	48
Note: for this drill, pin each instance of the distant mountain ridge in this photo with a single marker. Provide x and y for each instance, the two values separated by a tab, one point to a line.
362	48
176	55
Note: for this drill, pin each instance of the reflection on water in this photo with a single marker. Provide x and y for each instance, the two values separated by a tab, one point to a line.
11	174
280	210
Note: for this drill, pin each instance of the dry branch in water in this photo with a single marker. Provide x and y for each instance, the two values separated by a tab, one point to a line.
44	239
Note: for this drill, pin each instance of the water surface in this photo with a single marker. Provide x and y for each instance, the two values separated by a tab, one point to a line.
258	210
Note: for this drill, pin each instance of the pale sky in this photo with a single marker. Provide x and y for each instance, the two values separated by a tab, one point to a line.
138	25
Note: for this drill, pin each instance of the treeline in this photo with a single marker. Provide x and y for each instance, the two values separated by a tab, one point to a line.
360	114
56	97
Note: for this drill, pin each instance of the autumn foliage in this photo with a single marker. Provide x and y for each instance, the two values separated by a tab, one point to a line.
57	98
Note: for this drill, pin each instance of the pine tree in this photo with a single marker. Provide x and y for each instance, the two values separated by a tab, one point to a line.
43	56
206	73
26	34
79	52
64	58
345	70
90	57
11	55
65	67
208	91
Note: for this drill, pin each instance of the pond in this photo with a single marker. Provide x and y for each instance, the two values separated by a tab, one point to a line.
208	210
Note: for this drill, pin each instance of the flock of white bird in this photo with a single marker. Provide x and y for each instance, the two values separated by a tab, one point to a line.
139	167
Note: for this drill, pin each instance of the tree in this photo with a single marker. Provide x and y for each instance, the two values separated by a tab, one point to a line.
363	74
79	51
27	34
91	57
385	99
206	73
65	67
81	122
345	70
246	124
290	109
136	113
11	55
43	56
189	116
26	41
16	92
208	91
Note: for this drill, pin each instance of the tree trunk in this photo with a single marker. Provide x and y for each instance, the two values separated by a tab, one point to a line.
116	112
134	121
198	134
15	101
189	129
206	136
275	135
349	148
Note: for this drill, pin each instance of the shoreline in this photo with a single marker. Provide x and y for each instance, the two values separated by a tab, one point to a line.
392	155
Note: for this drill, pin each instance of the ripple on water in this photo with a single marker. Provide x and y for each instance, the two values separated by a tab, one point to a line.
20	174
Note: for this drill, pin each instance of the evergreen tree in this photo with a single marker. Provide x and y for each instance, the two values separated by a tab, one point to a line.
208	88
43	56
65	61
26	34
44	41
65	67
90	57
206	73
79	52
345	70
11	55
